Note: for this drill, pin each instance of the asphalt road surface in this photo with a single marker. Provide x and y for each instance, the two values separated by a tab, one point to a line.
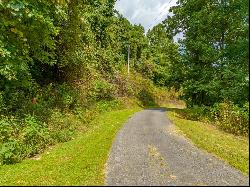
147	151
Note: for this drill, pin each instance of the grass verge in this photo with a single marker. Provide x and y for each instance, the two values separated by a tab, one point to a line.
230	148
77	162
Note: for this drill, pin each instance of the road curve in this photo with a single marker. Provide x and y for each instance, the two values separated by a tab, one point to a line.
147	151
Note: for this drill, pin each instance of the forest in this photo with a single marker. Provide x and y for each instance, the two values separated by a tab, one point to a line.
64	61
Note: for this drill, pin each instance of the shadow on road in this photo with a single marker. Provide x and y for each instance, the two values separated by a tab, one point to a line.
177	110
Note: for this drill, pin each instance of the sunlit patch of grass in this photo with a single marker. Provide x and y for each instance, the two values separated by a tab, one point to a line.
232	149
77	162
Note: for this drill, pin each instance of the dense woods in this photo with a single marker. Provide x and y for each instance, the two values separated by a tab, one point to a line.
63	61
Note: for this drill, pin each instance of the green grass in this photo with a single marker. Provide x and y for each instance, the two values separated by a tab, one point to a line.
232	149
77	162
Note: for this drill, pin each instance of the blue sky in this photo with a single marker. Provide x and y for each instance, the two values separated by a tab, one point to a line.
148	13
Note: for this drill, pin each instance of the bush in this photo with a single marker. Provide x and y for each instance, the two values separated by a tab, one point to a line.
226	116
10	152
62	126
21	138
9	147
232	119
103	90
25	137
146	98
103	106
201	113
35	135
142	89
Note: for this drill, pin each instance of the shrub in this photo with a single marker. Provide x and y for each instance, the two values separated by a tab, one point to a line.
35	136
231	118
201	113
66	95
21	138
108	105
9	147
146	98
226	116
9	152
8	128
62	126
103	90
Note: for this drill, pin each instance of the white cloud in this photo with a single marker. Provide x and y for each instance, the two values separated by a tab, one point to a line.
145	12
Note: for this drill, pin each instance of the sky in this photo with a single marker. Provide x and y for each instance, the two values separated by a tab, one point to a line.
148	13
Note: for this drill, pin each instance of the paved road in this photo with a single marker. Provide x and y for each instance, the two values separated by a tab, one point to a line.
147	151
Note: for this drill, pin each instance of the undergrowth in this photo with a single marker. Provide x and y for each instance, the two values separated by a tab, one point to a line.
60	111
80	161
226	116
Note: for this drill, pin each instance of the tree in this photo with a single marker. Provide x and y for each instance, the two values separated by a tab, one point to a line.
215	49
27	39
163	54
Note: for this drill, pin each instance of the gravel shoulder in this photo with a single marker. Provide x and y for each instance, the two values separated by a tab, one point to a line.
148	151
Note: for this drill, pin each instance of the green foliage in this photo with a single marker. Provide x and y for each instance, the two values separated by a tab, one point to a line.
65	95
232	118
213	70
197	113
51	45
20	139
163	54
226	116
9	146
103	106
103	90
214	65
21	45
77	162
62	126
9	152
143	89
